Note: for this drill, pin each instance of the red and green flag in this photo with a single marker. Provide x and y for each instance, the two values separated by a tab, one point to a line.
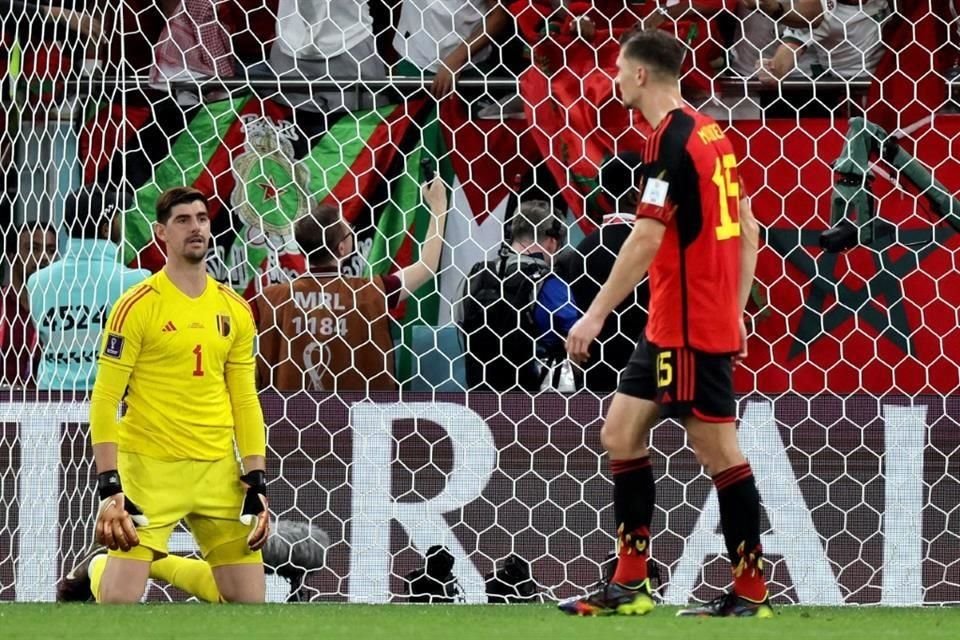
262	164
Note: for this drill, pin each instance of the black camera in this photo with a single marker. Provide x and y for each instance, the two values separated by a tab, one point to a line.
435	582
511	583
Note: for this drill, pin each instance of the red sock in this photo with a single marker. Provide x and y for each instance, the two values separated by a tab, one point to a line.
632	555
748	580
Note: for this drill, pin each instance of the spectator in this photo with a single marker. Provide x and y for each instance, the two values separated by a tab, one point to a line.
844	39
194	44
587	267
694	23
70	299
441	38
919	64
53	42
36	247
757	29
253	25
131	30
513	312
576	119
326	331
325	39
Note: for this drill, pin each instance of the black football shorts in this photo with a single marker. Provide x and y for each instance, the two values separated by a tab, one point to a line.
684	382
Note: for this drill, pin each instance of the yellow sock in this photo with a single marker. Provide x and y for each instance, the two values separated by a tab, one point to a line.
95	571
188	574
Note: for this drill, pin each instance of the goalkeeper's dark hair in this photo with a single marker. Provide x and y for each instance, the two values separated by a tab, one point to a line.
660	51
88	208
319	232
177	196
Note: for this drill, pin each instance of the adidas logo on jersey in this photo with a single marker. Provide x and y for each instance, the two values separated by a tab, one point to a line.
167	328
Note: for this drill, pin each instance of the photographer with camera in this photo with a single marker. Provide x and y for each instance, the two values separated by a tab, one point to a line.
513	312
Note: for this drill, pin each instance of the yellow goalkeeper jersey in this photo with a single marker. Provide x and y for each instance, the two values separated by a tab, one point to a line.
179	352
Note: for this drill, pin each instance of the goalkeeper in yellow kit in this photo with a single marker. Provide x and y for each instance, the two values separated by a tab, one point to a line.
182	348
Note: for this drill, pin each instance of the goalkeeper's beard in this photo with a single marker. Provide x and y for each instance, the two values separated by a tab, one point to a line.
192	255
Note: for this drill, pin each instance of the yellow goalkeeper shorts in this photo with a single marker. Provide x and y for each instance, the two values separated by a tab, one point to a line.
207	495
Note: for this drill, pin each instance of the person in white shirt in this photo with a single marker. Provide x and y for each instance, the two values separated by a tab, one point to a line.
845	40
440	38
325	39
757	29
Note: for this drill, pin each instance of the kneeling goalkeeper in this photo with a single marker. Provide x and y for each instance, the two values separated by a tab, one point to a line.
182	348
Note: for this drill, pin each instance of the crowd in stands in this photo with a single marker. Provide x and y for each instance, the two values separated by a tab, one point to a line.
325	331
442	39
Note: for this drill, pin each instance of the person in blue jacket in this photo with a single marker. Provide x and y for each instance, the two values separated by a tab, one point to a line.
513	312
70	298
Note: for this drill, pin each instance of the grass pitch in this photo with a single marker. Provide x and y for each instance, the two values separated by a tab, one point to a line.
402	622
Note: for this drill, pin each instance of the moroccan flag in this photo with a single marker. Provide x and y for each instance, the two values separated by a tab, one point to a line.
570	98
261	165
569	95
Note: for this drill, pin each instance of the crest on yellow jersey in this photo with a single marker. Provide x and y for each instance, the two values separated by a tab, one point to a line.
223	325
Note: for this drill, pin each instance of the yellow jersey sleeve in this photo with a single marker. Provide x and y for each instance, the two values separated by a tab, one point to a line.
242	351
123	334
240	376
119	349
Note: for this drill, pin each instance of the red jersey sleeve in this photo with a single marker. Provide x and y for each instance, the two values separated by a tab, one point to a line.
667	173
655	201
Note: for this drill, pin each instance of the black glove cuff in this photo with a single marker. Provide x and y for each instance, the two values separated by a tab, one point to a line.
256	480
108	484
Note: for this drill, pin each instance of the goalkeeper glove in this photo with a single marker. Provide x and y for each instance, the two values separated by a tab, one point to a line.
255	511
117	515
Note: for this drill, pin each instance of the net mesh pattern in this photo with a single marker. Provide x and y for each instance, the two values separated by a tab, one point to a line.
380	432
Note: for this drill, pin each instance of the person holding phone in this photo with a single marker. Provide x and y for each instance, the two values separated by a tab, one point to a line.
326	331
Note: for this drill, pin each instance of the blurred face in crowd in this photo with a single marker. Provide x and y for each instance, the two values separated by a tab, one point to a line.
112	230
187	232
36	248
116	228
546	246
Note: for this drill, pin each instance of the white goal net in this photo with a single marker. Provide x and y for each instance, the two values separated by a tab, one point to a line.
846	133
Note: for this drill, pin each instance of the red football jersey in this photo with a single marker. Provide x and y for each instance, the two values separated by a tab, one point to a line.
691	186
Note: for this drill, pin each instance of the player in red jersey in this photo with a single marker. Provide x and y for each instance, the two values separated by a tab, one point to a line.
697	236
